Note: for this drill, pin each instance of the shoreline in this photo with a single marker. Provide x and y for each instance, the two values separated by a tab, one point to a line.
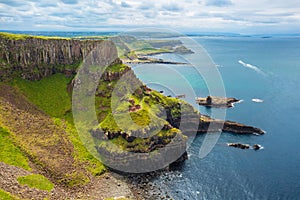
145	187
148	60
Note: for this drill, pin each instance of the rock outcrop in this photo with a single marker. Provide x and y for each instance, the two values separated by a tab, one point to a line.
226	126
216	102
245	146
195	122
239	145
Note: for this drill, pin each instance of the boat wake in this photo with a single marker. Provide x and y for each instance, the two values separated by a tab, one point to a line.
257	100
255	68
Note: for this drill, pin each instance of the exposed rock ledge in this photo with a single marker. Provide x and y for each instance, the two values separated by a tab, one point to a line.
190	124
217	102
227	126
245	146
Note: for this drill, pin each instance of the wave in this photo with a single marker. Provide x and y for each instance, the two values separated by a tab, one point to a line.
232	104
258	100
255	68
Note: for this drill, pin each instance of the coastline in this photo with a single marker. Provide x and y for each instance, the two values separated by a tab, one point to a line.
110	184
146	187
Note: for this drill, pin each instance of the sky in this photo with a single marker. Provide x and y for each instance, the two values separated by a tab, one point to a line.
235	16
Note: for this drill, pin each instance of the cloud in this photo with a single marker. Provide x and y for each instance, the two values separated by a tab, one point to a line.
14	3
146	6
70	1
125	5
239	16
219	3
47	4
150	15
172	7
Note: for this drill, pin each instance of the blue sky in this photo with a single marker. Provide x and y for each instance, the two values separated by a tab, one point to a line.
238	16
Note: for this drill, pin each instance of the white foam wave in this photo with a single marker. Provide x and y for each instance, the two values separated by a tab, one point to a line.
255	68
232	104
258	100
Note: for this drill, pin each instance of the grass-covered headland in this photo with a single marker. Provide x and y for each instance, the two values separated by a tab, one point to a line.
36	126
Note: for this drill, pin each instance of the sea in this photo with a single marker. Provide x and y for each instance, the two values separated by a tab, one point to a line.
263	72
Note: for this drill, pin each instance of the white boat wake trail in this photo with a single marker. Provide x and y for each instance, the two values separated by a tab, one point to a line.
251	67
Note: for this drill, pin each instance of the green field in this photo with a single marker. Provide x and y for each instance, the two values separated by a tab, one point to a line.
10	154
49	94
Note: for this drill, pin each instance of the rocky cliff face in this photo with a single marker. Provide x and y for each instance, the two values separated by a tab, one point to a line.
35	58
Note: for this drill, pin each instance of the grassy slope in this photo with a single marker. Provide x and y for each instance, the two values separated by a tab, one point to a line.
11	154
36	181
149	115
49	94
138	47
6	196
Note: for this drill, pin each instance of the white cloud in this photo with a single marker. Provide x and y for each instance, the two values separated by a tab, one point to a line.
186	15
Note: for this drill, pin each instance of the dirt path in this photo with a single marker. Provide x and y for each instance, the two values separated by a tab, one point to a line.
108	185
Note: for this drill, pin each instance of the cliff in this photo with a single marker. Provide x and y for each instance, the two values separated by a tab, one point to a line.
34	58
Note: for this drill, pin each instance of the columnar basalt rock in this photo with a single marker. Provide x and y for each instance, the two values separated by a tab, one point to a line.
35	58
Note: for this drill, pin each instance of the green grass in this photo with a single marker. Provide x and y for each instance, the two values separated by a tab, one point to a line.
151	51
12	36
117	68
49	94
77	179
6	195
36	181
10	154
81	153
138	44
141	117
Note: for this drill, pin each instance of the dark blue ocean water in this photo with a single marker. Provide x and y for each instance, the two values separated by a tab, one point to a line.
228	173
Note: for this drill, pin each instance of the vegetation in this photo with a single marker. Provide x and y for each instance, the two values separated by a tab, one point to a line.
49	94
36	181
117	68
146	119
77	179
131	48
12	36
149	51
10	154
6	195
81	153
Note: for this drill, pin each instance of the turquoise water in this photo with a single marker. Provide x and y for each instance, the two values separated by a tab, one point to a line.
228	173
